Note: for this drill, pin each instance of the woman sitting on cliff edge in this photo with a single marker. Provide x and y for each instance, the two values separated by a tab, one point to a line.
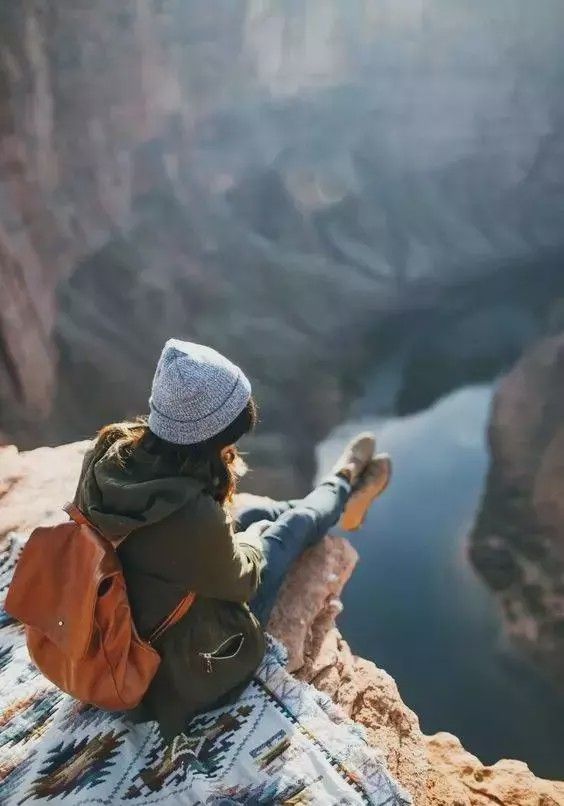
171	478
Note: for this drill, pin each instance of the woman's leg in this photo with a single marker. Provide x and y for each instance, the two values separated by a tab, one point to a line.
267	509
299	526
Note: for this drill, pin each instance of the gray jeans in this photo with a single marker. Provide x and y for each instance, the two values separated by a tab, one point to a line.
296	525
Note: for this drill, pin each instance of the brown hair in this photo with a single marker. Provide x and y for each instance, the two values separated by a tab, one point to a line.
216	460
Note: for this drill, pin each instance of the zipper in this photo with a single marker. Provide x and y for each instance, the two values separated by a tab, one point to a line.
208	657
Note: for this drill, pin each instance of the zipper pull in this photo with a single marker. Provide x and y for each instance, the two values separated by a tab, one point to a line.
206	657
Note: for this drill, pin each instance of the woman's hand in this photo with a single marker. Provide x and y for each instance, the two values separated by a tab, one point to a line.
255	529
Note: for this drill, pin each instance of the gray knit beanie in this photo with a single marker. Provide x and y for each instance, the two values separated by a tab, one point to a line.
196	393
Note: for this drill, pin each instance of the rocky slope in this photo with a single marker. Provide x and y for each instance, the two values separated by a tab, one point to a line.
274	179
435	769
518	541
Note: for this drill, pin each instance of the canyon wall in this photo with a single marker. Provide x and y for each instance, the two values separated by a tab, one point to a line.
518	540
276	180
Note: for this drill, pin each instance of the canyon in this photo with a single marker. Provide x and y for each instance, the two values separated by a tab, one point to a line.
280	182
321	191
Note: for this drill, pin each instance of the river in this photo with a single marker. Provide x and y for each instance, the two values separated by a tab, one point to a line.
416	607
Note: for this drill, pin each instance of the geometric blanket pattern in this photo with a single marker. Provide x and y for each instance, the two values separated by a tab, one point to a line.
282	742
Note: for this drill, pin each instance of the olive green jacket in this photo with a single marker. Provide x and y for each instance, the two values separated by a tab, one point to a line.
180	539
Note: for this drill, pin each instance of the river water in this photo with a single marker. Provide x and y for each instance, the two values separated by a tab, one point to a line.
416	607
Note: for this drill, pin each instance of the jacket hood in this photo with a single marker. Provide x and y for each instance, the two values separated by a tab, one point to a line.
120	498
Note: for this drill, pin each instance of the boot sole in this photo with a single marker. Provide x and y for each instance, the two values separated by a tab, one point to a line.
371	497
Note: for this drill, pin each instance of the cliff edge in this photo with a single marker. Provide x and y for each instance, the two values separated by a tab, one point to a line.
437	770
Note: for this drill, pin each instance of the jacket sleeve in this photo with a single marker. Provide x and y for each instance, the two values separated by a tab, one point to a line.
223	565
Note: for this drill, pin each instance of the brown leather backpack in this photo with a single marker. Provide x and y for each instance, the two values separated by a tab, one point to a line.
69	591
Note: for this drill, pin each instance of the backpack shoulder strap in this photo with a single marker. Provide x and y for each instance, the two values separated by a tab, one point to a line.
79	517
179	611
74	512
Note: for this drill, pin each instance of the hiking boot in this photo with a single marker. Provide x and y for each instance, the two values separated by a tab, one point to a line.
355	457
371	484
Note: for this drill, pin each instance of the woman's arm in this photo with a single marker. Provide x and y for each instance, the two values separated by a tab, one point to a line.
216	562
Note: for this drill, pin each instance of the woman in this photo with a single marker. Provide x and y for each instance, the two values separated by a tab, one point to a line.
170	480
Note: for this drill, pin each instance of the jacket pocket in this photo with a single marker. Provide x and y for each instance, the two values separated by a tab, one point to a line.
228	649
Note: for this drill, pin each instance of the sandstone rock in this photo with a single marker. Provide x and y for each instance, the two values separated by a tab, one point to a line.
518	541
457	778
436	769
34	485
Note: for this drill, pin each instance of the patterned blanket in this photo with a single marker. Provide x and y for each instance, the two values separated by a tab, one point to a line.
282	742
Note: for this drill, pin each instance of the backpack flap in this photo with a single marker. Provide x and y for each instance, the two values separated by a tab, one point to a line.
55	585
